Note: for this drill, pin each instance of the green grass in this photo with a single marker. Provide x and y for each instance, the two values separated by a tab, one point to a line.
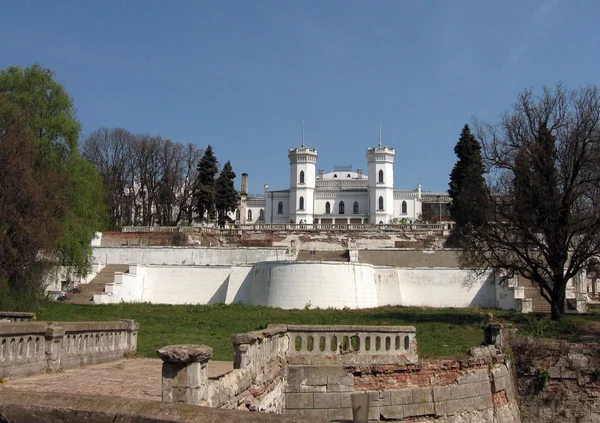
440	332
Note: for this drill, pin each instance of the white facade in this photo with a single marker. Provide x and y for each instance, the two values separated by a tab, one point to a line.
344	196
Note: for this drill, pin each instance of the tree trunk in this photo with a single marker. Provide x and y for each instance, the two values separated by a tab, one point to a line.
557	305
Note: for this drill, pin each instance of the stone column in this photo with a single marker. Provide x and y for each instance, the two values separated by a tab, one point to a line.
184	373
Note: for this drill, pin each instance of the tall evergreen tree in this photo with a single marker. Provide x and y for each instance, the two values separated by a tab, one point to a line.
467	188
204	191
227	196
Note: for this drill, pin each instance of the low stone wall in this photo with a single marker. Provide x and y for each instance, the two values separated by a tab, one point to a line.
448	391
39	347
41	407
16	316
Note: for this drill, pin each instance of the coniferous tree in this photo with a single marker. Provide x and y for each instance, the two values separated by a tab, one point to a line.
204	191
227	196
467	188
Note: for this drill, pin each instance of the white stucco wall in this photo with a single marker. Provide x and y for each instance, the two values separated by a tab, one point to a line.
445	287
196	256
317	284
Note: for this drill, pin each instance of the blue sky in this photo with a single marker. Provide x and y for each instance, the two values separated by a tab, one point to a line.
242	75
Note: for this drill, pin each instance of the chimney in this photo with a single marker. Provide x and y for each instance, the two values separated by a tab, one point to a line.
244	190
360	173
320	174
419	190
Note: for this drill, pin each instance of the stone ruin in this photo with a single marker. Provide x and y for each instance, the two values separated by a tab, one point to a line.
312	372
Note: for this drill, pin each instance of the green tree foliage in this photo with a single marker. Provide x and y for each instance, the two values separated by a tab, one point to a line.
226	195
30	211
205	189
543	158
77	198
467	188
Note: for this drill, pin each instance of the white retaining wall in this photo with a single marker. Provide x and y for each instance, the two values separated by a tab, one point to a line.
196	256
299	284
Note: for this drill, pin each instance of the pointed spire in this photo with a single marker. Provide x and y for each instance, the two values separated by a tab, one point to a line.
302	134
379	133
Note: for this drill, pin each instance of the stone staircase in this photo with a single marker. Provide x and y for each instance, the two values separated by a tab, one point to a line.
311	255
96	285
538	303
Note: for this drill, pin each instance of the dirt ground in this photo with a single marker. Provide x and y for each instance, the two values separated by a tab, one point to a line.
130	378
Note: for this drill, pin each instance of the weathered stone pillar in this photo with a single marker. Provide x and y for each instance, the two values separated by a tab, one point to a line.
132	332
184	373
54	348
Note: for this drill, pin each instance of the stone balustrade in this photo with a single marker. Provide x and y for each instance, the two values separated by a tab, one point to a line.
16	316
37	347
406	227
260	358
352	345
257	349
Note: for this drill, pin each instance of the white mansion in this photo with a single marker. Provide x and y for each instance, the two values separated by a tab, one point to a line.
339	197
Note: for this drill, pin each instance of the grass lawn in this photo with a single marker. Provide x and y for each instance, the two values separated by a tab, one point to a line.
440	332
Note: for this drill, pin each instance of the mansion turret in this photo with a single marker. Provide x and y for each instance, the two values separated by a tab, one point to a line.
343	196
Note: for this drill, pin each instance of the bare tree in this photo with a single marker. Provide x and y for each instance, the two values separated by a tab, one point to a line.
542	160
109	150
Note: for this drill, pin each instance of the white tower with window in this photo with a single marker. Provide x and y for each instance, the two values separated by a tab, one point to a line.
303	165
381	182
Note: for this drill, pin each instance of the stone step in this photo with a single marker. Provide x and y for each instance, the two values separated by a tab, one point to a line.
96	285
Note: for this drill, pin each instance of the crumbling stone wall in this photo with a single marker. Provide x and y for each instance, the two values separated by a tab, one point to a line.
444	391
558	381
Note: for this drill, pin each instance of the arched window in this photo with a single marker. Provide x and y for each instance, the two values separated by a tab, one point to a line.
380	203
355	207
280	208
327	208
404	207
341	207
301	176
335	175
301	203
261	215
381	176
249	214
348	176
237	215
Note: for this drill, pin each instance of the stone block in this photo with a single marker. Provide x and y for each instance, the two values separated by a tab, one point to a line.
326	400
412	410
470	390
312	388
482	402
299	400
450	407
420	395
401	396
385	398
374	411
314	414
392	412
345	400
341	382
340	414
441	393
500	383
473	378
